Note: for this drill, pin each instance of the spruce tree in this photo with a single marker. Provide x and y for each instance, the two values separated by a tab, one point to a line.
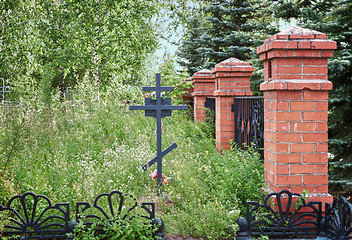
227	35
339	28
335	19
222	35
228	29
188	54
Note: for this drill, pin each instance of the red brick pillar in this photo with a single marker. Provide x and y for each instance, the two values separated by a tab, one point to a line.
204	86
232	78
296	111
187	97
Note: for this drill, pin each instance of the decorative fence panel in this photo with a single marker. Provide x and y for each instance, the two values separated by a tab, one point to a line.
211	112
210	104
289	215
249	121
32	216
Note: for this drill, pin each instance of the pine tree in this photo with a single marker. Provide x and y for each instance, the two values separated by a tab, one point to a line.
227	35
339	28
228	29
223	34
188	54
335	19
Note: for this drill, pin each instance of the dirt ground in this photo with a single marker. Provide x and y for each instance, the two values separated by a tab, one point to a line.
179	237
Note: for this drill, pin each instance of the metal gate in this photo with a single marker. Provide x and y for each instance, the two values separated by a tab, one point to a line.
210	114
210	104
249	122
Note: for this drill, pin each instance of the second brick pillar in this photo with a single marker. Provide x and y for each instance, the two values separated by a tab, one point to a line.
232	78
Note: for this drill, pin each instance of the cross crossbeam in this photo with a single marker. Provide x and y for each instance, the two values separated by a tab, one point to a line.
154	160
156	108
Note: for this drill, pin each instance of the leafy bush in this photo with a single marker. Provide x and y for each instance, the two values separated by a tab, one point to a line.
130	229
75	152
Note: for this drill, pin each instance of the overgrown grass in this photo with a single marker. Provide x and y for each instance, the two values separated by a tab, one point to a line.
75	153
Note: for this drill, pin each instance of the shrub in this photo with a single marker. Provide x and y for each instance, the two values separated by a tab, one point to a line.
74	153
130	229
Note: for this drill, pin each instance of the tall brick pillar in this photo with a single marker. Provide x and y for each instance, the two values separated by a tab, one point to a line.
232	78
296	111
204	86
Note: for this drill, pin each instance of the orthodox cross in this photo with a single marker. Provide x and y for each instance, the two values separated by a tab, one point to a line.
158	108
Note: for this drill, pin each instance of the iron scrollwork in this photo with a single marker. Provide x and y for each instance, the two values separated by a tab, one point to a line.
284	214
115	208
35	217
338	219
249	122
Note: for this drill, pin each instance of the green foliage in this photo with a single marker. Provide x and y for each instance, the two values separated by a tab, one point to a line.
75	152
15	41
224	35
262	237
334	19
48	46
214	185
226	29
129	229
339	26
304	197
188	53
170	76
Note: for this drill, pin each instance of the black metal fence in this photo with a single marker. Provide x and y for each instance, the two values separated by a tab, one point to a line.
289	215
249	121
210	104
32	216
210	114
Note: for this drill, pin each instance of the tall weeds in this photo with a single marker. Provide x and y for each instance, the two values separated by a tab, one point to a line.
73	153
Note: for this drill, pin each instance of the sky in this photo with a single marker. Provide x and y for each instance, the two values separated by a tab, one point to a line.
168	46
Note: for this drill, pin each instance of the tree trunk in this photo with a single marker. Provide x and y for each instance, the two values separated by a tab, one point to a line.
62	88
3	31
96	69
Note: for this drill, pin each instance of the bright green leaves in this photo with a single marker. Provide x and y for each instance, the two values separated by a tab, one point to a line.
54	45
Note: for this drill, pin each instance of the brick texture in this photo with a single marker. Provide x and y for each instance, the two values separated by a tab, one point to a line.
203	87
232	78
296	111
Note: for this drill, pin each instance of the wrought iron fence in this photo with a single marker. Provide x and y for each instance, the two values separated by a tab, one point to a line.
249	121
32	216
210	113
210	104
289	215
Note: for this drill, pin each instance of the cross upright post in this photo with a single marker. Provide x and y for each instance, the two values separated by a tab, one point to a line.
158	108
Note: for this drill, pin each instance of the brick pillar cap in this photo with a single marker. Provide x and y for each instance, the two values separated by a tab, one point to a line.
232	65
296	32
202	75
297	38
203	72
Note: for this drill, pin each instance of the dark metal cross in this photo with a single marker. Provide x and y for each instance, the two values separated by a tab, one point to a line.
158	108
